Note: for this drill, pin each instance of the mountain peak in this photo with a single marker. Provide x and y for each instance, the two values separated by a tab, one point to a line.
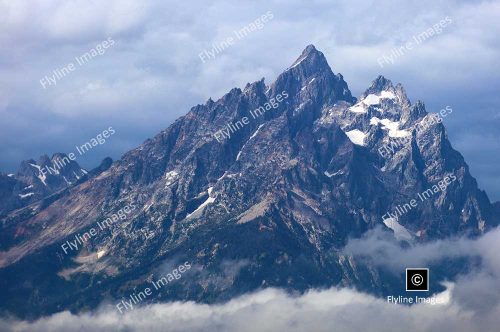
309	49
380	83
311	58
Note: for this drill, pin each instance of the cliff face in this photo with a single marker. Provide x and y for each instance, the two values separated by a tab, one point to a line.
260	188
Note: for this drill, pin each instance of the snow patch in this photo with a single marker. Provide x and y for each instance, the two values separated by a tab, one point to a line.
147	206
67	182
391	126
171	177
356	136
226	175
253	135
374	121
10	175
371	99
332	174
400	232
301	105
101	253
298	62
222	177
358	108
40	175
303	88
199	209
26	195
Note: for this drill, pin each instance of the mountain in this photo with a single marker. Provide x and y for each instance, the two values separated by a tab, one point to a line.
260	188
35	180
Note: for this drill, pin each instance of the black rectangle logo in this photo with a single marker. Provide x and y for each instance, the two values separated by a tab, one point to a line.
417	280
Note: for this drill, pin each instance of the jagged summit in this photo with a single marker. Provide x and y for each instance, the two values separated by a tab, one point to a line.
311	60
35	180
256	86
310	50
310	68
379	84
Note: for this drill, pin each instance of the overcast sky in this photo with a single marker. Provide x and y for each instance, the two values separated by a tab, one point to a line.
153	74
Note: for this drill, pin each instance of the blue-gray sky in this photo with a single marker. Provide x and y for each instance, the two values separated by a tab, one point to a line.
153	74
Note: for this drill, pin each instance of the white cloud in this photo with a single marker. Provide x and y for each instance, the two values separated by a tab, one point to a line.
381	248
471	303
274	310
475	291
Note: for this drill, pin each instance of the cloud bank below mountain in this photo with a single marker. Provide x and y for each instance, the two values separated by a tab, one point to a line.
471	302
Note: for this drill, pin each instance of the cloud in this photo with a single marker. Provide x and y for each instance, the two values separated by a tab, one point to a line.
470	303
474	290
274	310
381	247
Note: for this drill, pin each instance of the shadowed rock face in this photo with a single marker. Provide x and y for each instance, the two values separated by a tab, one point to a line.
271	204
